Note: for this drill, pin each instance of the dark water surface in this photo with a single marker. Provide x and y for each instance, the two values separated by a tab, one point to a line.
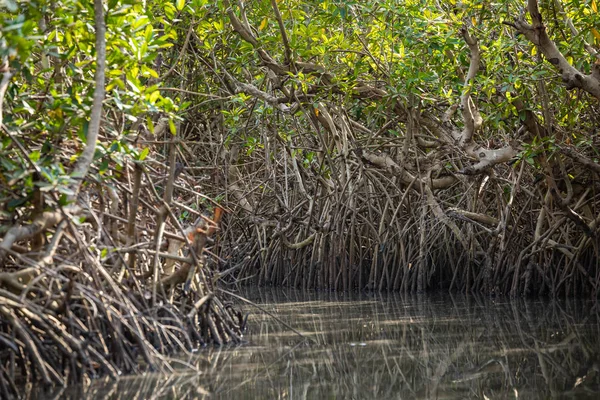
387	346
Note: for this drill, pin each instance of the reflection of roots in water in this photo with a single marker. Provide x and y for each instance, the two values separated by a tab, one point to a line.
424	347
450	347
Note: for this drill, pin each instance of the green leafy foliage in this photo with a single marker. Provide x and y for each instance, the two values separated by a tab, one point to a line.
50	49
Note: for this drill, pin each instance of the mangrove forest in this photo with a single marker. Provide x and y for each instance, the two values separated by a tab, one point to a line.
157	156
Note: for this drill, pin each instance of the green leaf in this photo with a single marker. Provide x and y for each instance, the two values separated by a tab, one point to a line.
150	125
65	190
34	156
144	153
14	203
45	187
10	5
148	33
169	11
154	96
179	4
63	200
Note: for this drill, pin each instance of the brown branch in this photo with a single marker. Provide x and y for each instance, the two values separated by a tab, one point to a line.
489	158
240	87
536	33
245	32
39	225
573	154
298	245
133	209
161	217
385	162
180	56
29	344
284	38
199	304
16	281
531	121
239	27
482	218
441	215
471	117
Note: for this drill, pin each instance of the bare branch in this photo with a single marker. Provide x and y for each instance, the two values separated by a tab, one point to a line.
239	27
537	34
489	158
481	218
181	53
85	159
284	38
386	162
573	154
4	85
471	117
298	245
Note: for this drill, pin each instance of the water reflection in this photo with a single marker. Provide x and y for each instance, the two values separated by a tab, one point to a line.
391	347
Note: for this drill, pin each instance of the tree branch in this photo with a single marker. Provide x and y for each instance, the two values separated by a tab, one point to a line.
3	86
473	120
536	33
489	158
386	162
246	34
298	245
573	154
284	38
470	113
85	159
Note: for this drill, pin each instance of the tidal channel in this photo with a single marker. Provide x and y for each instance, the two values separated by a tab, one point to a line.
386	346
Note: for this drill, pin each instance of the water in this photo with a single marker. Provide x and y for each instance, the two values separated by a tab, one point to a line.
390	347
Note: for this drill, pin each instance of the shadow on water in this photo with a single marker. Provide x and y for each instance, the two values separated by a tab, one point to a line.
390	346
